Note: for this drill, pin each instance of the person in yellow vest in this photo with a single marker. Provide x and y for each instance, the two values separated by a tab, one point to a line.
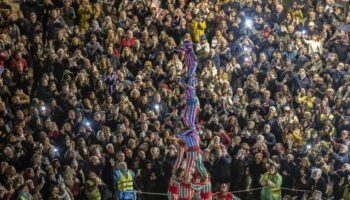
346	193
92	192
85	13
271	182
327	115
124	178
23	193
307	99
296	12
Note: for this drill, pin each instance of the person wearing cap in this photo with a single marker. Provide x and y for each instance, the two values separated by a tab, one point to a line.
124	178
271	182
202	50
148	64
225	53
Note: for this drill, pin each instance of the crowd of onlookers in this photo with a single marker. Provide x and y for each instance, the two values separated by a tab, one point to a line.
86	85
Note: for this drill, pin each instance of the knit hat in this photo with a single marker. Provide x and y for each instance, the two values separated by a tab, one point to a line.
75	41
203	37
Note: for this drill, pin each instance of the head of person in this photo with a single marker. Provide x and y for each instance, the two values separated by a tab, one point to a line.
123	166
273	168
180	172
223	187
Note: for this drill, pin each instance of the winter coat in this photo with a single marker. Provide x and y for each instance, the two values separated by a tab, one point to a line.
198	29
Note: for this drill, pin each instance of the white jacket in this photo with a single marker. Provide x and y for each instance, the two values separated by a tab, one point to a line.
315	46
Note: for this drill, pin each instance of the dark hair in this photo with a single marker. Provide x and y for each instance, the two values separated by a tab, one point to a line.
21	187
179	171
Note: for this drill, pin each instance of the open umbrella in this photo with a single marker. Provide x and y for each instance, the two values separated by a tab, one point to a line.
345	28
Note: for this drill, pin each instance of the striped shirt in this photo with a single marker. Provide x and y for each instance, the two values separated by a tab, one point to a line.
204	192
191	59
191	139
186	192
174	187
190	88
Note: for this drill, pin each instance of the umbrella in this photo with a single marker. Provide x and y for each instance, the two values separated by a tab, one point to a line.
345	28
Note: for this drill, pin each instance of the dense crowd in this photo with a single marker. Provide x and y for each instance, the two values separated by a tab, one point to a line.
89	86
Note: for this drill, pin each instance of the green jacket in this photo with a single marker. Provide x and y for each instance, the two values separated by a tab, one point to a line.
268	192
346	193
24	196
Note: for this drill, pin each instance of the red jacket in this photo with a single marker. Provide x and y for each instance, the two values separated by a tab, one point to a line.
219	196
3	57
226	139
126	42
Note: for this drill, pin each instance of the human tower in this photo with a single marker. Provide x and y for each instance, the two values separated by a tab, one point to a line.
190	178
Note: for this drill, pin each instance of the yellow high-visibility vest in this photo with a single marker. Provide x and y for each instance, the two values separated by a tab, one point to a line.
125	183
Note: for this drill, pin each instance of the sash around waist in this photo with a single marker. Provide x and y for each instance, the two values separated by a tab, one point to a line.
191	101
